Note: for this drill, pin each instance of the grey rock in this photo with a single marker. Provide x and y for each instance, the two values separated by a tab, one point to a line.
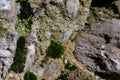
12	41
47	35
39	71
7	9
32	38
3	44
39	12
5	5
30	56
9	40
5	53
98	48
18	7
66	35
74	27
52	69
72	7
6	63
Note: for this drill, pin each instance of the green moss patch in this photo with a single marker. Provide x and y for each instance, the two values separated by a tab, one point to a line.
63	76
23	26
30	76
55	50
70	67
19	58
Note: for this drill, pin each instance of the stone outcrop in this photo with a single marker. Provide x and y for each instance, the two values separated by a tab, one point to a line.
28	26
8	35
98	48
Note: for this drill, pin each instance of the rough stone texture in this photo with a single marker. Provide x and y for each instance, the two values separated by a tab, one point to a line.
72	7
7	51
30	56
98	48
53	16
7	10
8	35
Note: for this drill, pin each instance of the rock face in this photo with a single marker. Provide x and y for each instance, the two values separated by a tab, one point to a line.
8	35
40	21
7	51
98	48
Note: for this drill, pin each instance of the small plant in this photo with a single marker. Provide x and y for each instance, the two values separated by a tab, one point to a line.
96	12
23	26
63	76
70	67
55	50
93	12
103	10
30	76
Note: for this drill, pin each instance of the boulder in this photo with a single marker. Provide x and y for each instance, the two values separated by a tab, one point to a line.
72	7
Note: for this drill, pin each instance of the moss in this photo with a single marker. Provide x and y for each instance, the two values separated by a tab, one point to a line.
30	76
70	67
23	23
19	58
23	26
55	50
93	13
63	76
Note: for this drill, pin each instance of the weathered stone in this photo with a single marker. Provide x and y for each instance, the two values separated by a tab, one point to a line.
8	35
30	56
51	16
98	48
39	71
32	38
7	10
72	7
5	53
39	12
47	35
67	35
6	63
52	69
